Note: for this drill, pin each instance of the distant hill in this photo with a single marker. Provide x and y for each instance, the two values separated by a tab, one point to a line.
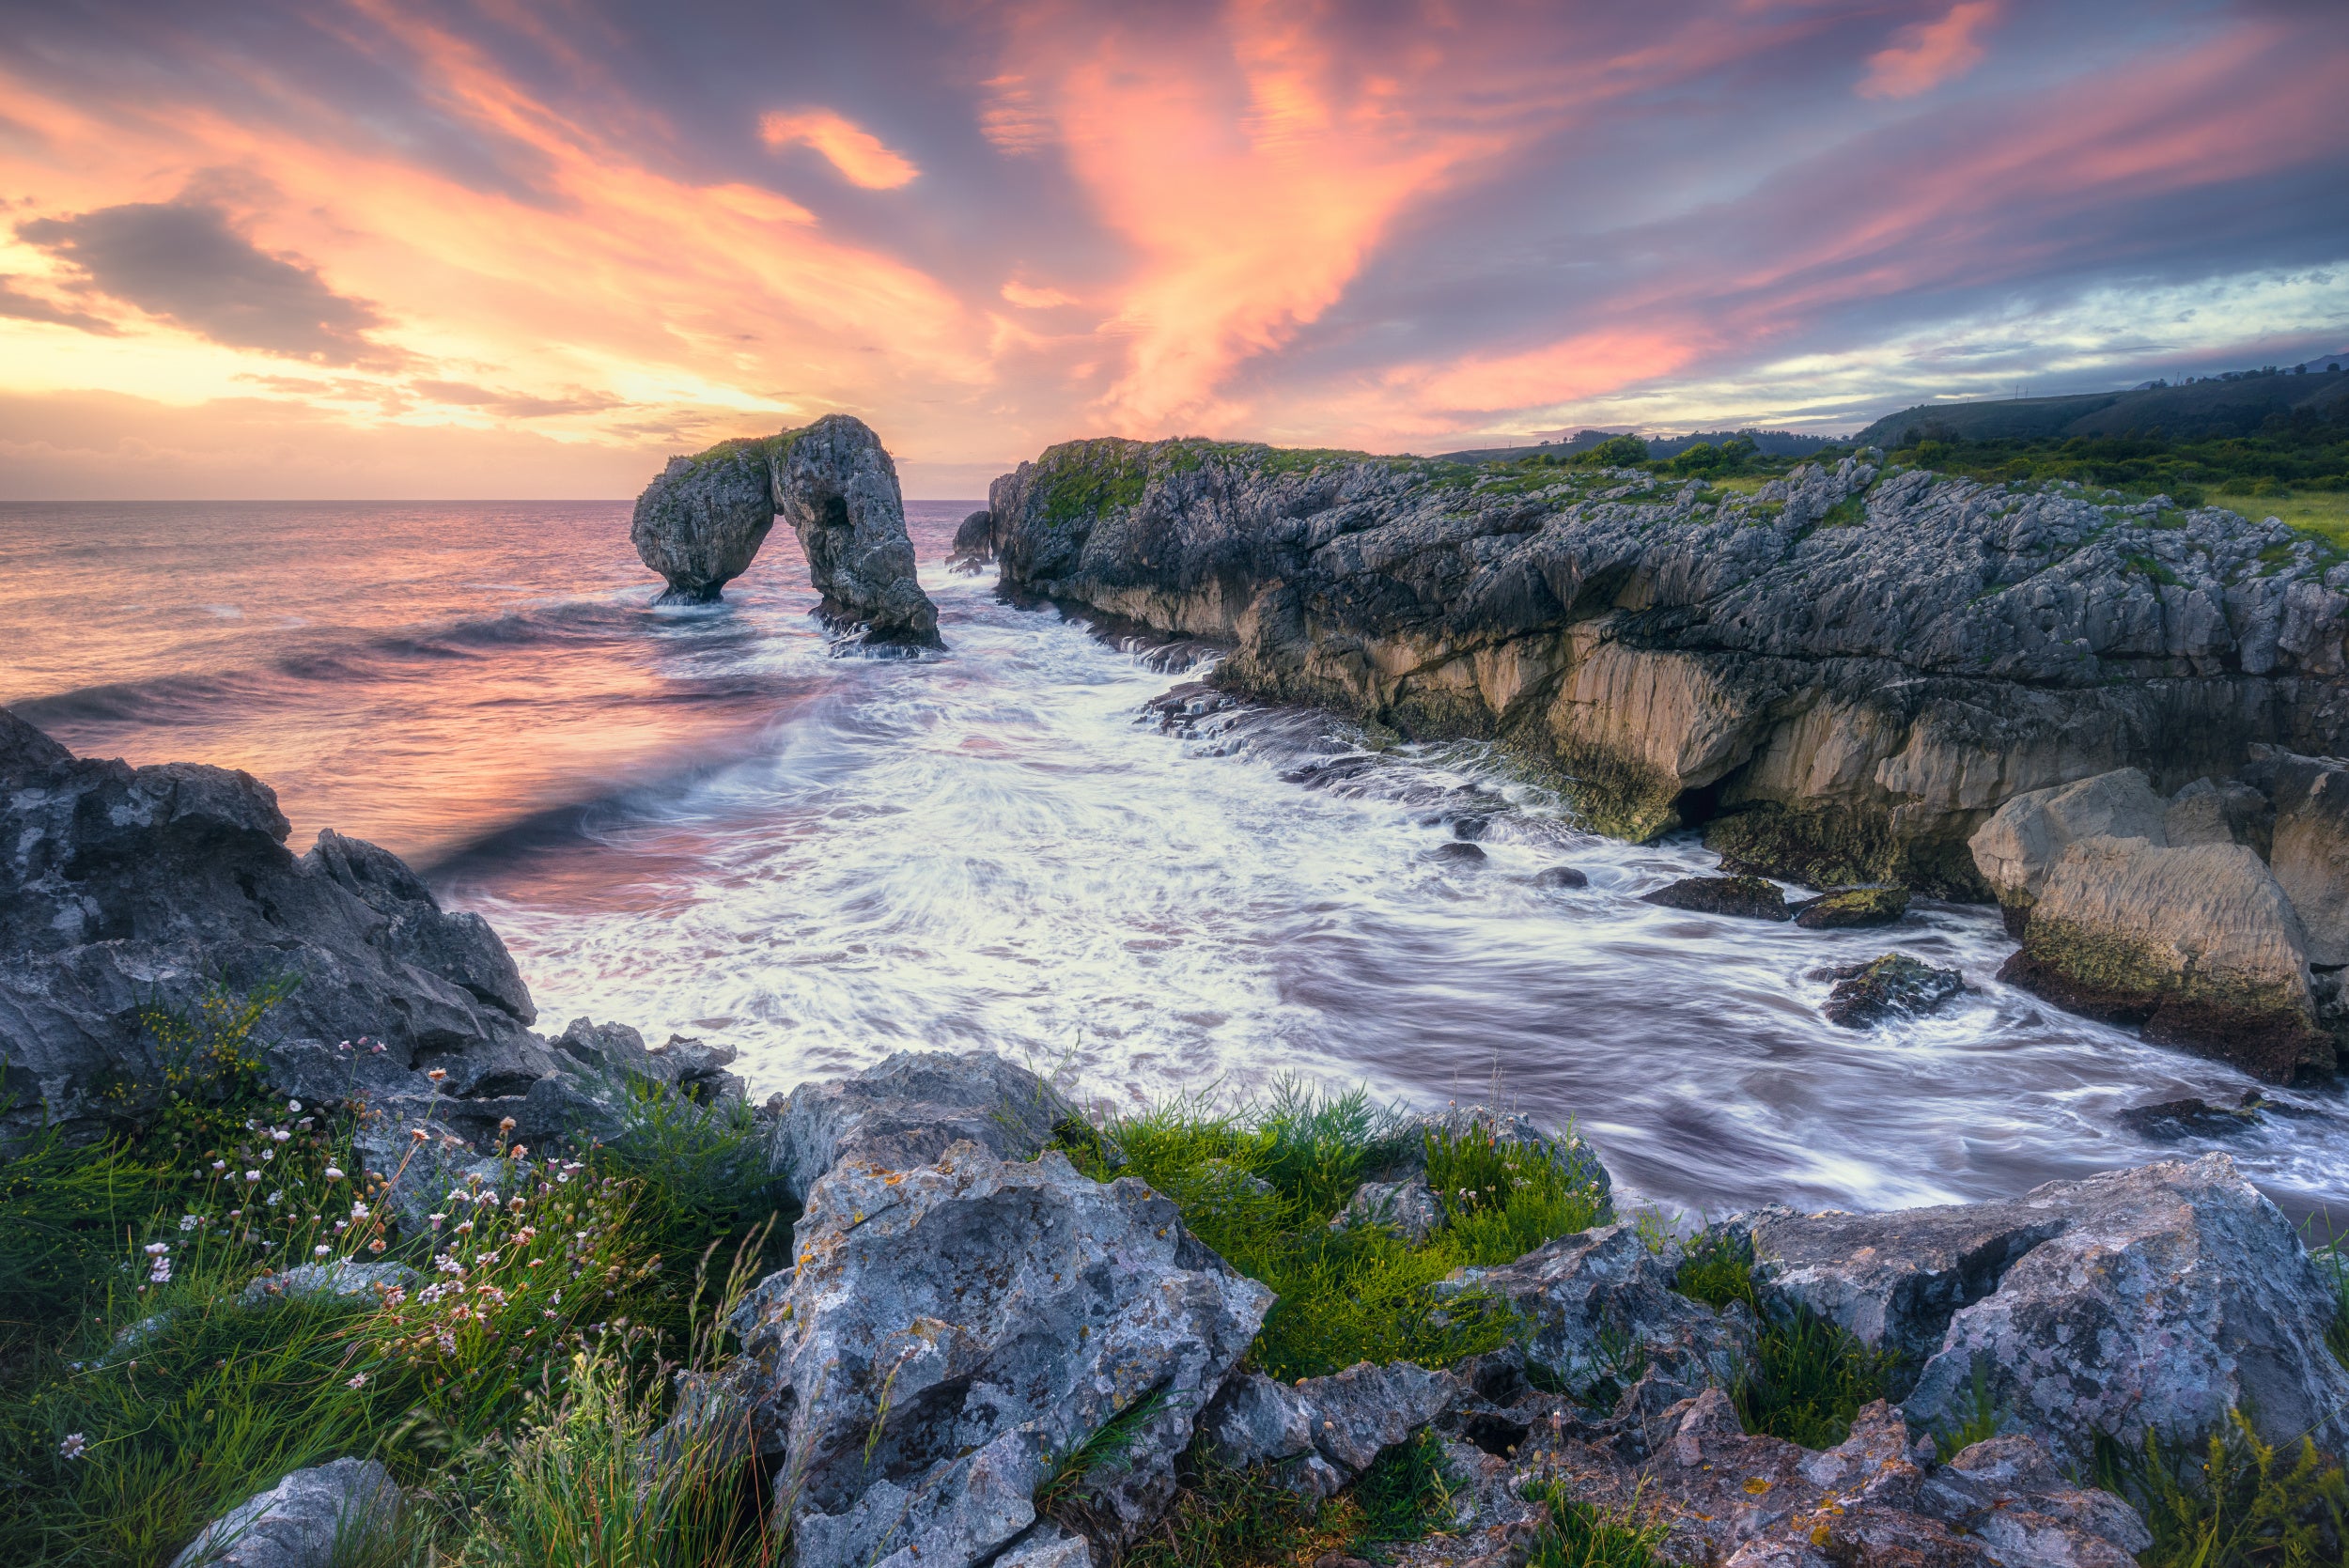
2236	405
1774	443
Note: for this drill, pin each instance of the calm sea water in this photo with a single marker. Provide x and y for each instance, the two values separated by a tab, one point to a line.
700	821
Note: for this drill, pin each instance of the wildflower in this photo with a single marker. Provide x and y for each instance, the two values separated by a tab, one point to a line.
436	1220
343	1045
341	1225
320	1251
73	1446
420	1135
487	1259
516	1204
464	1228
253	1175
375	1245
269	1154
220	1165
437	1074
189	1221
333	1173
279	1135
236	1214
358	1211
157	1248
377	1048
276	1198
357	1381
294	1106
521	1151
160	1272
506	1124
447	1342
549	1312
449	1265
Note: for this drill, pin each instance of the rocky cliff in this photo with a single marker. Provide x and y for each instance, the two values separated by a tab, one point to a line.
1842	674
701	522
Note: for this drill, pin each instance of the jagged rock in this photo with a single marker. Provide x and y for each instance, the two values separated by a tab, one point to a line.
974	543
905	1111
1561	877
701	522
1602	1311
1856	668
2173	1294
1848	908
301	1522
1345	1420
1892	986
838	489
951	1332
1406	1208
2198	944
125	887
2311	851
1744	897
2019	845
2007	1493
2207	812
1048	1545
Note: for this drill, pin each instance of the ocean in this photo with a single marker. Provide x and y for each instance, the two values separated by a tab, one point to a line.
701	821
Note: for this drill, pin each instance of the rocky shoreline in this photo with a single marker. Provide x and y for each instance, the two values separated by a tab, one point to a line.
967	1309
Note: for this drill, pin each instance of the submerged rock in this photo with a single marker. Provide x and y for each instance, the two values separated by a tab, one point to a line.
1892	986
2198	944
1458	853
1746	897
2192	1117
701	522
313	1518
1850	908
1561	877
952	1332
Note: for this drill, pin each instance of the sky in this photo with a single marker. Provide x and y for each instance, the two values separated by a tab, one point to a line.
531	248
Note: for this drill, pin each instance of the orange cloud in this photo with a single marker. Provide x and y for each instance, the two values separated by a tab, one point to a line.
862	158
1034	299
1932	53
1584	366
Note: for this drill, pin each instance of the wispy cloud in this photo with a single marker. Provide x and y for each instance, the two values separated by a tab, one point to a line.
862	158
1931	53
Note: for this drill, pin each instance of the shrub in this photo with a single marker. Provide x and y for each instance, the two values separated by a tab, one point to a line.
2237	1505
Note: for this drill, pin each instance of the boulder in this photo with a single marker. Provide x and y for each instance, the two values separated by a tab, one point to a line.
344	1276
1561	877
952	1334
2198	944
1338	1425
124	890
1892	986
2157	1297
1602	1315
313	1518
2019	845
1457	853
2173	1295
1406	1208
1746	897
2311	851
2172	1121
2007	1493
1848	908
906	1110
700	524
974	543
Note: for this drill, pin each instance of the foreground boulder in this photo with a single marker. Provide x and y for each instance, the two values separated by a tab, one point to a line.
1322	1433
701	522
906	1110
951	1335
2157	1298
313	1518
123	890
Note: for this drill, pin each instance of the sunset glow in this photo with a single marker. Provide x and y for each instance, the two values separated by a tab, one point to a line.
532	247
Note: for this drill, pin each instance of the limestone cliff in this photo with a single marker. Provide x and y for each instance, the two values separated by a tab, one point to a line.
1843	674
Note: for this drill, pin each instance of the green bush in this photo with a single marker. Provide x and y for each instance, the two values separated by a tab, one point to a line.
2233	1504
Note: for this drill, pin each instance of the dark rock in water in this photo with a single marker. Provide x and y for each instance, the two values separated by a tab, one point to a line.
1559	877
1747	897
974	543
2192	1117
1180	709
1470	826
1843	908
700	525
1894	986
1458	853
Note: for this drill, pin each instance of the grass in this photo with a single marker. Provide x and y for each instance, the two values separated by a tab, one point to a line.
2236	1502
1259	1183
1582	1535
147	1382
1227	1518
1810	1377
2323	513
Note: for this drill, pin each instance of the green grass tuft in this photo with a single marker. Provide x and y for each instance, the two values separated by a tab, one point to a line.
1810	1377
1582	1535
1404	1495
2234	1504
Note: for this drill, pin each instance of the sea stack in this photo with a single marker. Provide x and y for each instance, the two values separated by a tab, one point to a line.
701	522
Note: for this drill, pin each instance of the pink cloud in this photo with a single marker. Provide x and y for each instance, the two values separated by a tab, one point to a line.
862	158
1932	53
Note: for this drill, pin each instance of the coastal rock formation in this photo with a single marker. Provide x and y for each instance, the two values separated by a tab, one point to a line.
313	1518
952	1331
124	890
1845	673
1894	986
2154	1298
906	1110
1746	897
974	543
2310	850
1324	1432
701	522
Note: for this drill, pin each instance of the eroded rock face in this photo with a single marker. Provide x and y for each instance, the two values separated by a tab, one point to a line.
952	1330
1324	1432
700	525
1860	667
124	886
906	1110
2019	845
2311	851
1603	1312
2198	944
2160	1297
298	1522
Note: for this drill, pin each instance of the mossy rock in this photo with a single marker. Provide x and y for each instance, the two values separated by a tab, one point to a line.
1894	986
1847	908
1842	847
1746	897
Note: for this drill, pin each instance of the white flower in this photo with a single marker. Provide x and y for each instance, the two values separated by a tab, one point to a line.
358	1211
333	1173
269	1154
465	1228
276	1198
253	1175
279	1134
341	1225
320	1251
188	1221
436	1220
157	1248
294	1106
73	1446
220	1165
